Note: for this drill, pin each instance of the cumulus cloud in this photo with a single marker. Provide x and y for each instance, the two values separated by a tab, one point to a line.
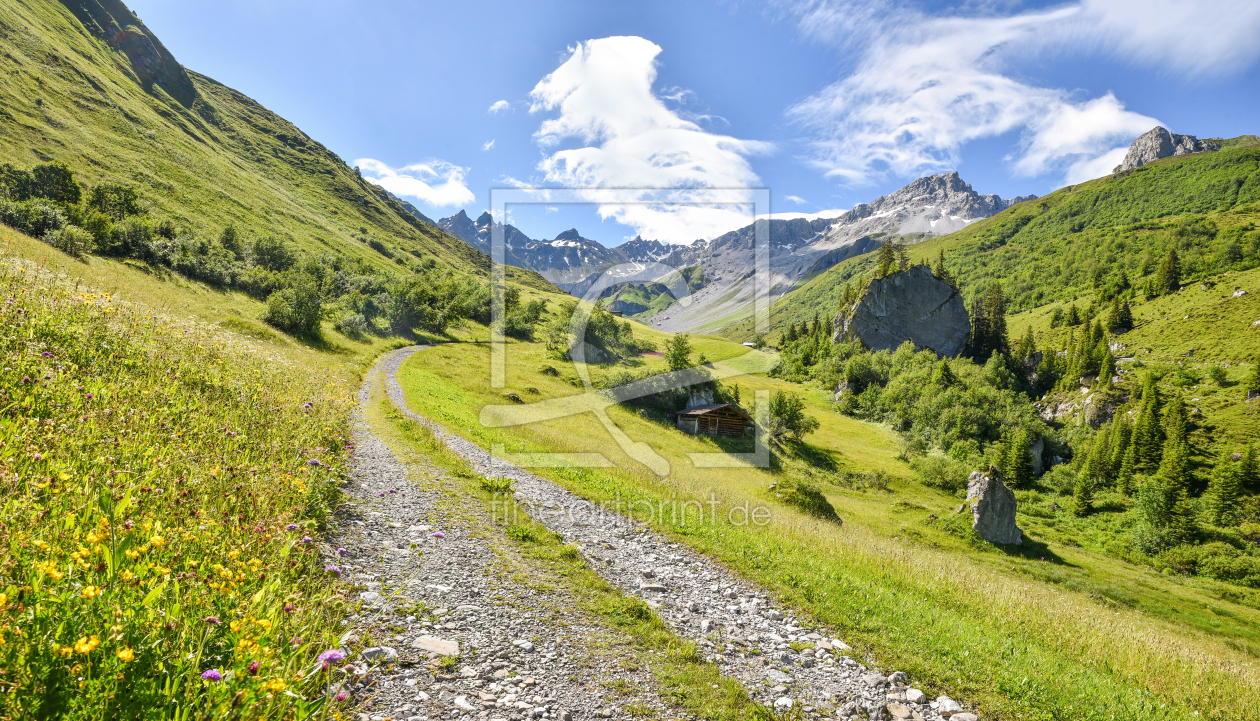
436	183
620	134
795	199
488	145
499	106
923	86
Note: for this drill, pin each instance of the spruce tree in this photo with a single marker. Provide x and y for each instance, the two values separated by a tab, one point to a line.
903	262
1126	315
1176	423
944	376
1113	316
995	312
791	334
887	259
1026	346
1168	278
1018	469
1248	474
1148	434
940	271
1128	469
1107	369
1083	495
1222	493
1073	316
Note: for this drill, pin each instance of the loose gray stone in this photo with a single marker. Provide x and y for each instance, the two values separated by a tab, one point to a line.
874	680
778	676
899	677
916	696
380	653
947	706
964	717
993	508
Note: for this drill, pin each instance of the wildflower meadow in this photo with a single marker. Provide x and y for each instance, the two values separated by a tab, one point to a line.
163	497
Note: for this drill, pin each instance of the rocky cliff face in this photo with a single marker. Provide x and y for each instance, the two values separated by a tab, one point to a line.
1158	143
913	306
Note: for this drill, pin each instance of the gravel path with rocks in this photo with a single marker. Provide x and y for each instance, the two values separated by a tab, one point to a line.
782	661
438	581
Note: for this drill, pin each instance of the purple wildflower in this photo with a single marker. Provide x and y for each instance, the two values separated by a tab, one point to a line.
213	619
382	495
332	569
341	696
439	534
89	396
332	654
212	675
313	462
392	491
291	527
341	551
253	668
306	539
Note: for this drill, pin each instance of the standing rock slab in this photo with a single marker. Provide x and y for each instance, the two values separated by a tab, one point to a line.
911	305
993	508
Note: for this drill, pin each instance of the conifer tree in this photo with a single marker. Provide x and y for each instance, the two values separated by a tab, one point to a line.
1148	435
1026	346
1083	495
1073	316
903	262
1248	475
944	376
1223	490
1176	423
1113	315
1168	278
791	334
1126	315
1018	469
887	259
940	271
848	297
1107	369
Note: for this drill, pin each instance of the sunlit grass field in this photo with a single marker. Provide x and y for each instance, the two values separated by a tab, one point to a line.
165	483
1019	636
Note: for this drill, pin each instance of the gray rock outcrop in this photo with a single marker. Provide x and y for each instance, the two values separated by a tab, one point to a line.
1159	143
912	305
993	508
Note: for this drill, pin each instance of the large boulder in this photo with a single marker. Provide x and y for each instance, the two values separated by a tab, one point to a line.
1158	143
993	508
912	305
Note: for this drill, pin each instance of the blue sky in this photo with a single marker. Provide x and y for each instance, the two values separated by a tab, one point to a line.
826	104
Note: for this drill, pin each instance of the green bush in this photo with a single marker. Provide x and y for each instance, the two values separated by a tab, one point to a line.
70	240
273	254
1217	375
941	472
33	217
296	309
353	325
811	500
114	200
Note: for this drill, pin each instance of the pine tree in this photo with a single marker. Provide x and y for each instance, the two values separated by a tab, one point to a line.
1128	464
1113	316
887	259
1018	469
848	297
1168	278
1083	495
940	271
1073	316
944	376
1148	435
791	333
903	262
1221	497
1126	315
1026	346
988	330
1107	369
1176	423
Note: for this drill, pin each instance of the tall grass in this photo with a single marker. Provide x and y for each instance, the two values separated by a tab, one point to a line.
162	498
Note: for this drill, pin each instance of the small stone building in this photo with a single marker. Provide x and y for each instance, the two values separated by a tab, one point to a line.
713	419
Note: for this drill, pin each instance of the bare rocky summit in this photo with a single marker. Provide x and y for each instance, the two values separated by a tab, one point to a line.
1158	143
912	305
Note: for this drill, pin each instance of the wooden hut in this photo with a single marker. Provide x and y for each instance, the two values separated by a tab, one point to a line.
713	419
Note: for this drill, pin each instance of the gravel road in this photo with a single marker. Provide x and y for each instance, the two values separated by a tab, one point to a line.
782	660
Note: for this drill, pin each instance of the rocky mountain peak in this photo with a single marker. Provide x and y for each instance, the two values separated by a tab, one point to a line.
1158	143
570	234
484	220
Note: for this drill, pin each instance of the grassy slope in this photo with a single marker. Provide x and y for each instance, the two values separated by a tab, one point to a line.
67	96
1070	233
1067	637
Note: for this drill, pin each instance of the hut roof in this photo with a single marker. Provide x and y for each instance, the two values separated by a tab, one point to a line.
709	408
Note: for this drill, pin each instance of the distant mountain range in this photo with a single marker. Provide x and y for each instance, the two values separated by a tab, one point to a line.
928	207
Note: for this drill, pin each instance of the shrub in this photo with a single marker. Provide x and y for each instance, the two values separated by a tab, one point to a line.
296	309
70	240
810	500
33	217
56	182
273	254
788	418
941	472
352	325
114	200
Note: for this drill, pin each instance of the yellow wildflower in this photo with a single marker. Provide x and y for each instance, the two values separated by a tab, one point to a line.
157	541
126	655
90	592
86	644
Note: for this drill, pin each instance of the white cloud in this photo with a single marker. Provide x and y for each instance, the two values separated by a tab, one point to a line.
436	183
795	199
488	145
499	106
627	138
1186	37
924	86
